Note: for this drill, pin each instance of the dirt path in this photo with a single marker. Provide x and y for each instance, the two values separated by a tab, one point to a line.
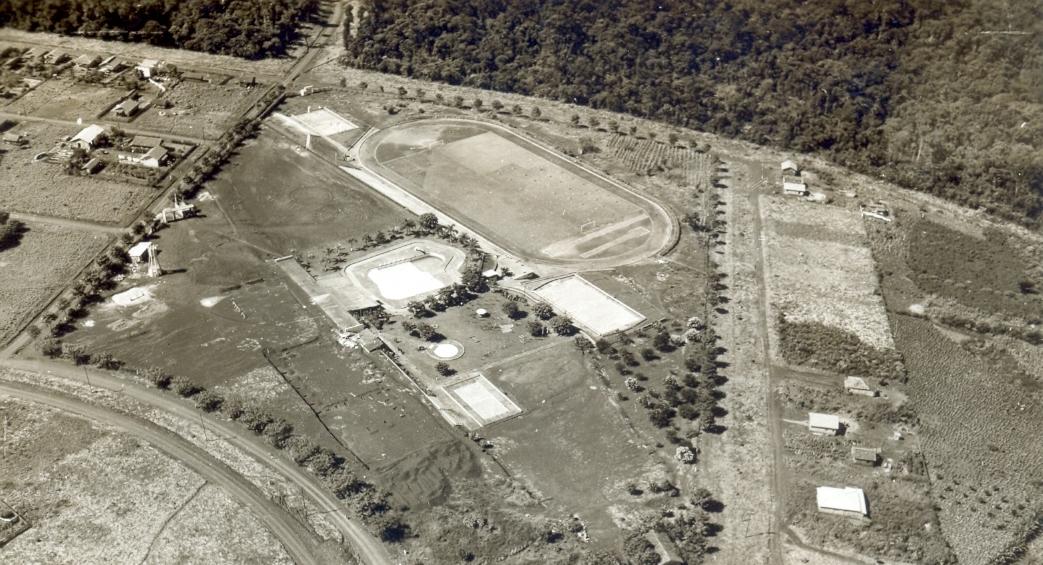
101	121
297	541
68	223
366	546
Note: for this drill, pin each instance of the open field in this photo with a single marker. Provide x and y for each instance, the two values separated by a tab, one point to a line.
64	99
287	200
45	188
821	271
510	190
38	267
199	109
60	472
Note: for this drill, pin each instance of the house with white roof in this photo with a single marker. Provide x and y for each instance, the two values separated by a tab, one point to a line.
88	137
844	501
823	424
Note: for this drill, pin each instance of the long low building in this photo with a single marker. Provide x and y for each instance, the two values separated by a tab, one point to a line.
845	501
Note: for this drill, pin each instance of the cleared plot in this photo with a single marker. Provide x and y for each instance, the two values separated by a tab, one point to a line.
820	269
515	193
589	307
66	100
198	109
324	122
42	188
481	400
37	268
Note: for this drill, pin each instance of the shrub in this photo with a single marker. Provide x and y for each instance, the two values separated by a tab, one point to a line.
427	332
563	326
649	354
155	377
444	369
277	432
391	527
255	420
537	329
208	401
543	310
511	309
108	362
78	355
232	408
51	347
183	386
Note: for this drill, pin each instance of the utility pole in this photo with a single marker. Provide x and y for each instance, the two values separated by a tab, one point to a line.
87	377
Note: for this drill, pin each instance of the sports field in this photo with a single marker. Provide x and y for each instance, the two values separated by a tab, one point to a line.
517	194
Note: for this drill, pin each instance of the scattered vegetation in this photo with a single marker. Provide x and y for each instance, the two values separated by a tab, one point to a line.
823	347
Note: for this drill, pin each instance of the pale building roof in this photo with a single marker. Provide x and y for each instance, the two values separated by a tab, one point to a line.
855	383
139	249
789	164
864	453
790	179
828	421
155	153
847	499
89	133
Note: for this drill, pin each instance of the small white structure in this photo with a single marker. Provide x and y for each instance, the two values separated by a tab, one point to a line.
491	274
846	501
823	424
790	168
794	185
139	252
87	138
481	313
877	211
857	385
147	68
154	159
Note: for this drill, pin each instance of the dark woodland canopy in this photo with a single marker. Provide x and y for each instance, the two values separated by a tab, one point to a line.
917	91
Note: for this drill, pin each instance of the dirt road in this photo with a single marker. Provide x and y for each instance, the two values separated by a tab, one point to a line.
297	541
83	225
369	549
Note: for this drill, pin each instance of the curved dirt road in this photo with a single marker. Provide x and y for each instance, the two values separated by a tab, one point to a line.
366	546
294	538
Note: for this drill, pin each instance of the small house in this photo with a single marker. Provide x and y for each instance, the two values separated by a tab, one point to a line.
92	166
823	424
14	139
857	385
87	61
794	186
147	68
665	548
57	57
139	252
790	168
144	143
88	137
846	501
128	108
865	455
155	158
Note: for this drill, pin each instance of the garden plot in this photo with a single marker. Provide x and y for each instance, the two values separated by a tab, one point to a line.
198	109
820	270
63	99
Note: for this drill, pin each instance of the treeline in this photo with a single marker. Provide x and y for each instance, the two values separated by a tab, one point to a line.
243	28
917	91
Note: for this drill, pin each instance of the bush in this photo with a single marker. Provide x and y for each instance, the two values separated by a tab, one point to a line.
232	408
543	310
427	332
444	369
391	527
51	347
563	326
511	309
649	354
108	362
183	386
537	329
277	432
78	355
155	377
208	401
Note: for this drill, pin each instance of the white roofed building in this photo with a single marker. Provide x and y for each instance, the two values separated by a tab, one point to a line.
789	168
794	185
824	424
88	137
844	501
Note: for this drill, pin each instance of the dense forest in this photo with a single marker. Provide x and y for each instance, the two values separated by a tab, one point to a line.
244	28
936	95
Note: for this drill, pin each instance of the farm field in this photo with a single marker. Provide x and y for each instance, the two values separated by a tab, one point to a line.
44	188
64	99
284	199
821	270
41	264
199	109
60	472
510	190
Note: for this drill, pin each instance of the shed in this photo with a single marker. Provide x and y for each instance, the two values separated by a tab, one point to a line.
92	166
87	61
790	167
87	138
664	546
824	424
147	67
139	251
794	185
865	455
857	385
126	108
144	143
845	501
14	139
155	158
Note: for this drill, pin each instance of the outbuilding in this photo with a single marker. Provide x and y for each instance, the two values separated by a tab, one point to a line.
128	108
14	139
139	252
845	501
88	137
823	424
865	455
147	68
794	185
790	168
87	61
857	385
92	166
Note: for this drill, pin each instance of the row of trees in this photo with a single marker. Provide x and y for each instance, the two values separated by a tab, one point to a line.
243	28
908	90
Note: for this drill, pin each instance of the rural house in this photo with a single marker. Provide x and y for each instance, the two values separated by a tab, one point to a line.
789	168
128	108
823	424
147	68
846	501
88	137
865	455
144	143
139	252
857	385
153	159
794	185
87	61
